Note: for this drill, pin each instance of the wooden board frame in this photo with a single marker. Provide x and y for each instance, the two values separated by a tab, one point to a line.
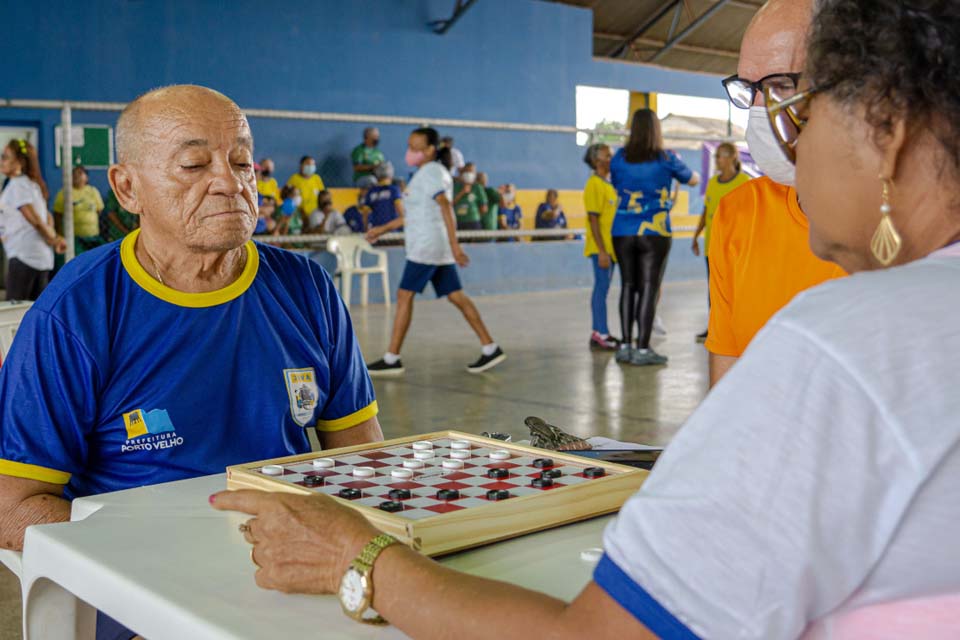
458	530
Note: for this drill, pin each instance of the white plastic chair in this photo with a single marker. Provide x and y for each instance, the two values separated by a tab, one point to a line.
11	313
349	251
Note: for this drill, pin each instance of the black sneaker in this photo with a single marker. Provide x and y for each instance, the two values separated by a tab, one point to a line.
487	362
702	337
381	368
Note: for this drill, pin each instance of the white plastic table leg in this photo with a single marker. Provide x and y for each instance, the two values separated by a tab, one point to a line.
50	612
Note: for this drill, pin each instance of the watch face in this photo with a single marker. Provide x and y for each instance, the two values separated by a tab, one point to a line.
352	590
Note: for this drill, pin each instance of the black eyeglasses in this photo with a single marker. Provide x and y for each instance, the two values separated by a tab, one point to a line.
742	92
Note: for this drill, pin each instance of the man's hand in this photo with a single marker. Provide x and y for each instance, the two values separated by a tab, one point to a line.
603	260
696	246
373	234
460	256
301	544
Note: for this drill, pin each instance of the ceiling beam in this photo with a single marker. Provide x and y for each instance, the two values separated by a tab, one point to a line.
687	48
645	26
693	26
440	27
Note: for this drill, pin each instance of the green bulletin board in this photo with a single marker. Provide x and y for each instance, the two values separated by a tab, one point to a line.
92	145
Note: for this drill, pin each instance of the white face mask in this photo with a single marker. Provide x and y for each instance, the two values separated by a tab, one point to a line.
766	151
469	177
297	200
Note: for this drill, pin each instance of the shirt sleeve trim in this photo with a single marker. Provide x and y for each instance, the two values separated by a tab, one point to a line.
351	420
33	472
434	197
634	598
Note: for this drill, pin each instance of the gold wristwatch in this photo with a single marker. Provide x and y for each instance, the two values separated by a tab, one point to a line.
356	586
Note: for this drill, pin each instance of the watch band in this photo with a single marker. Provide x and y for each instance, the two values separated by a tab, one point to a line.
371	551
364	564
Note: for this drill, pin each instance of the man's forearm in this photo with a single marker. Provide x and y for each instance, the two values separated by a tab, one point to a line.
38	509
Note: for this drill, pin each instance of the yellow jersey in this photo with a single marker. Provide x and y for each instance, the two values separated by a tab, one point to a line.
715	191
599	197
310	189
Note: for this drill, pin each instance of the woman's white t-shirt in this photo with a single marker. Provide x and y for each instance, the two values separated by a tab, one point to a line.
20	239
816	491
424	229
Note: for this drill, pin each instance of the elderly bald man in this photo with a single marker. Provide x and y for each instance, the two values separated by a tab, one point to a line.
759	255
183	348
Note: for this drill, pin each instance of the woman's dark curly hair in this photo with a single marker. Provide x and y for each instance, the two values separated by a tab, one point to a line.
900	59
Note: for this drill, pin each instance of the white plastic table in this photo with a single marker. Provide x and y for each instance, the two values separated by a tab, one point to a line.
160	561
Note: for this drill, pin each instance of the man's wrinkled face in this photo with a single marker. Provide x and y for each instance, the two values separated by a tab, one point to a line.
195	179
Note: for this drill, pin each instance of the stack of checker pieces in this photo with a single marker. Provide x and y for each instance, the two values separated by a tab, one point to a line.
448	491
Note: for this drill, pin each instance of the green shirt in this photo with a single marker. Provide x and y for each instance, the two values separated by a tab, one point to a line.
468	207
362	154
127	219
493	209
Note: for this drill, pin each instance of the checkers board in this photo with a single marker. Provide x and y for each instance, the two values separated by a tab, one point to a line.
446	491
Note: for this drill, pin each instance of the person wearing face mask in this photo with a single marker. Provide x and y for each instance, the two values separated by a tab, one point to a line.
510	213
600	202
433	252
383	203
266	181
366	156
489	221
469	200
289	219
759	252
728	178
309	184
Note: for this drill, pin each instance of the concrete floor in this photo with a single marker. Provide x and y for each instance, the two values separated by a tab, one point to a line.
549	373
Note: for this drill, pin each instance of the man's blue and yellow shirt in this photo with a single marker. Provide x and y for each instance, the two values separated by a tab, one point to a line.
116	381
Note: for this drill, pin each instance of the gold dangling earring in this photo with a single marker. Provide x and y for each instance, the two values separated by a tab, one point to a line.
886	241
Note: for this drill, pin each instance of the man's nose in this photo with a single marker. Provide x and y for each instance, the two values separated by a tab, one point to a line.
228	179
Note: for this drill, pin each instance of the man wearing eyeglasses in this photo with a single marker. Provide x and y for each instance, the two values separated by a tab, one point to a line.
759	252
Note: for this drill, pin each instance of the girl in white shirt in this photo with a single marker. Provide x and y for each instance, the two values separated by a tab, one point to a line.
29	238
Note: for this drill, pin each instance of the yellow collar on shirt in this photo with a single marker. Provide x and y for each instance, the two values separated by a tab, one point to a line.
193	300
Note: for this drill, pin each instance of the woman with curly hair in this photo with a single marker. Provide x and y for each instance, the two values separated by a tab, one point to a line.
29	237
816	491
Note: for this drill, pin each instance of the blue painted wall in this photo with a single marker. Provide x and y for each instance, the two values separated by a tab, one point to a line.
509	60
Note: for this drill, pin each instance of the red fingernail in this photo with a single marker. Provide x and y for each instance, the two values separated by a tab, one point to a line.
212	497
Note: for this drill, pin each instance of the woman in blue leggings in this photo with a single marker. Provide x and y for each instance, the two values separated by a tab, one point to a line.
600	203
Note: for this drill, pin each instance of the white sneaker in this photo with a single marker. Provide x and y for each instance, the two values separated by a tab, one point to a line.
658	328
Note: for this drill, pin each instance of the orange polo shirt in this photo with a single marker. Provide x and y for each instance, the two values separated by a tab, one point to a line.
760	259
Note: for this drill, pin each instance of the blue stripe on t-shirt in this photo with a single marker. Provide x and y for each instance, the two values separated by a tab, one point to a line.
438	193
634	598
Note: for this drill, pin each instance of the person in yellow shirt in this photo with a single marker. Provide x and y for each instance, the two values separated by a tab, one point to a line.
600	203
266	184
87	205
728	178
309	184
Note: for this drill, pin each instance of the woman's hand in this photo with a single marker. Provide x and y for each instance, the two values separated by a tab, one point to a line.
373	234
603	259
301	544
59	243
460	256
696	246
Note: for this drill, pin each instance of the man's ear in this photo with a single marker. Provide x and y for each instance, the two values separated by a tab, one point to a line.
123	183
